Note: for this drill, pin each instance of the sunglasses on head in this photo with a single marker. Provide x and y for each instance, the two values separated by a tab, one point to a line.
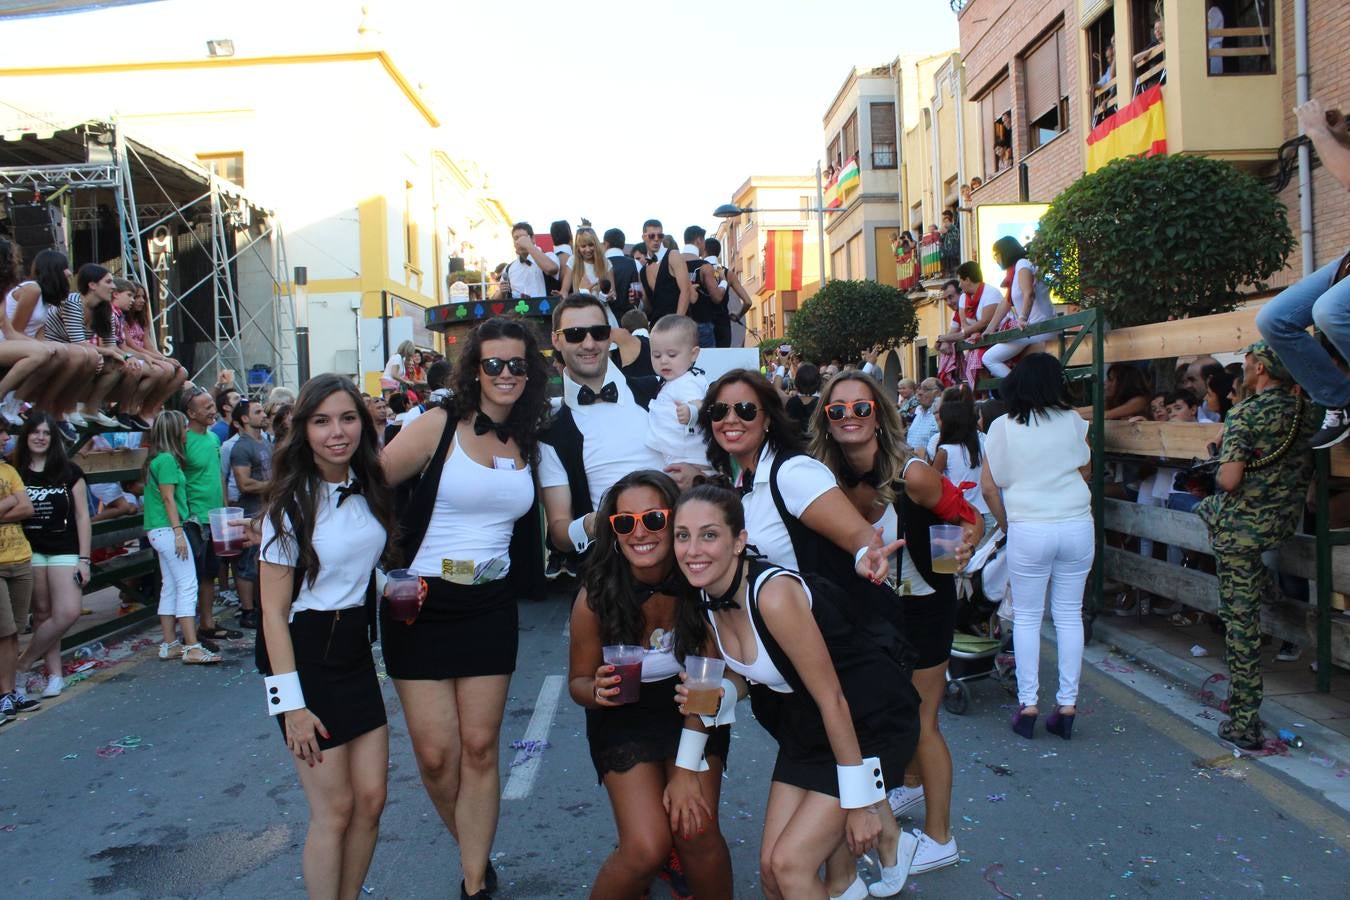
652	520
861	409
577	333
745	411
493	365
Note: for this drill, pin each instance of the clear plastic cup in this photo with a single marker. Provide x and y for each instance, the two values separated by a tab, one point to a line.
401	590
627	662
944	540
704	683
226	539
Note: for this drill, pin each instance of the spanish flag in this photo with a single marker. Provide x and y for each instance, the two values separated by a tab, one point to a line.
1136	130
783	261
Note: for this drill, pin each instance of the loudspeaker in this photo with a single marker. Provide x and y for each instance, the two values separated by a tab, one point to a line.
36	227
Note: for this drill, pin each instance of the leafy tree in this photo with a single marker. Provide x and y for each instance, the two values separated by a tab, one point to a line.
1168	236
847	317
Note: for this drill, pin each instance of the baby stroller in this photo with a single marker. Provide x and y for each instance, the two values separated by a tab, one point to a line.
981	640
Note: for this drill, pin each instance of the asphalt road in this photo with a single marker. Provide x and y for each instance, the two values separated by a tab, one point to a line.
207	804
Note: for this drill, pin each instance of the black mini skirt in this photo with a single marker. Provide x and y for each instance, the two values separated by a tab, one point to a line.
462	631
337	673
620	737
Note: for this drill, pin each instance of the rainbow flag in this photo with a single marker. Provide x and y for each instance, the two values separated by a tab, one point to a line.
1138	129
783	261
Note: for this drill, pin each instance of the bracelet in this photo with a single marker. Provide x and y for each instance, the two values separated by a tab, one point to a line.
284	693
690	754
85	559
862	785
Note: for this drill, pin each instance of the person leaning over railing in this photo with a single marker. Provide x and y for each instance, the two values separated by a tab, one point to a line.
1028	298
1264	471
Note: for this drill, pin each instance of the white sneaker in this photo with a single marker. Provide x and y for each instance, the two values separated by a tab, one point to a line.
893	877
55	685
903	799
855	891
931	855
99	418
77	420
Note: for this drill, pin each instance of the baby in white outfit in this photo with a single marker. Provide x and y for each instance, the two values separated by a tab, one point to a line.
673	429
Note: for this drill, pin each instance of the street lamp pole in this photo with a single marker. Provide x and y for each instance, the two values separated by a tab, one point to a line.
820	222
302	322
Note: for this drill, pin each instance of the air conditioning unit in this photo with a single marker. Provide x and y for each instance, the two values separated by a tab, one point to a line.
344	362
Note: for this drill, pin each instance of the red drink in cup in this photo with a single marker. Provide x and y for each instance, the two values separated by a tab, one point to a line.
226	539
627	662
401	592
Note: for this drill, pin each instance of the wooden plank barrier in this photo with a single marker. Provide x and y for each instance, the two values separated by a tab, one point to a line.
1184	442
1202	335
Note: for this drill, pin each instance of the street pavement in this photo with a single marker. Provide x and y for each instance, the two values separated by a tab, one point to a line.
202	799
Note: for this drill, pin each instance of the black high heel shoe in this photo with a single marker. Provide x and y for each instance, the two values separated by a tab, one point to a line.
1024	724
1060	724
483	893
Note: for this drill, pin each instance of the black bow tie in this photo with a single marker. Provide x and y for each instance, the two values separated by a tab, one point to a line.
853	479
525	262
608	394
482	425
727	600
672	585
347	490
747	482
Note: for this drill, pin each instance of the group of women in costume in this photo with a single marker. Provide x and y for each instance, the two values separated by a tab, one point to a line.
807	573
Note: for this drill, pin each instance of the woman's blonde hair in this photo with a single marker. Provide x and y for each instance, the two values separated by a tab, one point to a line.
168	435
601	265
407	349
892	451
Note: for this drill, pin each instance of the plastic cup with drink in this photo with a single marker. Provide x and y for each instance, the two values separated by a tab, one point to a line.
944	540
226	539
627	662
704	683
401	590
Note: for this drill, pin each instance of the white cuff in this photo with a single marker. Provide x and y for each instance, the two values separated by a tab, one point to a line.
690	754
862	551
283	693
381	579
726	707
576	532
861	786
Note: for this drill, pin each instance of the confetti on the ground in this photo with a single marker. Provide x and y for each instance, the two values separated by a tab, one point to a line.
999	769
71	756
526	750
997	798
1197	650
1118	729
991	874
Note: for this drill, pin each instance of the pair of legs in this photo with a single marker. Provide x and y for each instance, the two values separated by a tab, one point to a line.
997	357
931	766
56	606
1057	556
177	588
346	795
804	830
1243	581
16	591
645	838
455	725
1284	322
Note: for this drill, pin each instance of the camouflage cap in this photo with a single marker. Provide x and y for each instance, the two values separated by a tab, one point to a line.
1266	354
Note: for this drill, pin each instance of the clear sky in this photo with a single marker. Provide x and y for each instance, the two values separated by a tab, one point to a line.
622	111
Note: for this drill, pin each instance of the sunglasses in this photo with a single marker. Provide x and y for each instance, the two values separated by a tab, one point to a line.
861	409
577	333
493	365
652	520
745	411
655	237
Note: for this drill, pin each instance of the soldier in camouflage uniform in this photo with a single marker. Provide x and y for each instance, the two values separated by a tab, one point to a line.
1265	467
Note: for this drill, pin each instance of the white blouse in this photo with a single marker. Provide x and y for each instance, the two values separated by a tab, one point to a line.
348	541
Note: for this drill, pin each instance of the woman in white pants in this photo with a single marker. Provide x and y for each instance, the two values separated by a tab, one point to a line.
1029	299
1034	478
165	512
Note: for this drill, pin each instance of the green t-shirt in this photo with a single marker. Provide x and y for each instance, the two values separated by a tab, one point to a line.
164	469
202	459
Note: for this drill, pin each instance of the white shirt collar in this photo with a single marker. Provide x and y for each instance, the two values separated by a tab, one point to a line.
712	259
613	253
612	374
690	249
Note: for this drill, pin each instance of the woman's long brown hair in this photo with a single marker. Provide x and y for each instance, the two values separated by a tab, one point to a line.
892	451
297	483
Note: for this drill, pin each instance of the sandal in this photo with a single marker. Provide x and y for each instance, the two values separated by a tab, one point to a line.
219	633
1125	604
196	654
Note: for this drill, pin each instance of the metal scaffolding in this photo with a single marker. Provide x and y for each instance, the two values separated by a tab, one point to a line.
214	260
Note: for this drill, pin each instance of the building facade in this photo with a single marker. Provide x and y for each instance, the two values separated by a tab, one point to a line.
781	204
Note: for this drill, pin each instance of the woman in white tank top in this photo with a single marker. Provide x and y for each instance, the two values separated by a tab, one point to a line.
34	370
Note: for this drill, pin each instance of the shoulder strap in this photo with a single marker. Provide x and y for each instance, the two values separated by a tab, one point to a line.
802	546
422	497
779	658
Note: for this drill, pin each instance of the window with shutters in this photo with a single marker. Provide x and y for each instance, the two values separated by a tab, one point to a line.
832	157
1046	91
883	135
804	204
850	136
996	122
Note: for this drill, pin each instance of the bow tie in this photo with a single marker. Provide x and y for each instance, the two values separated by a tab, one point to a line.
608	394
347	490
747	482
482	425
672	585
727	600
525	262
852	479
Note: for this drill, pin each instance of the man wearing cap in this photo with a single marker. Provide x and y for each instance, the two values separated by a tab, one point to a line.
1265	465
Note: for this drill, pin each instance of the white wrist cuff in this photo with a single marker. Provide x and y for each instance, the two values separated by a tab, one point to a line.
726	707
862	551
576	532
381	580
861	786
690	754
283	693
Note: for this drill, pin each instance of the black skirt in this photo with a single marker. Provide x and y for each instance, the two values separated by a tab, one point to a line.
620	737
462	631
337	673
929	624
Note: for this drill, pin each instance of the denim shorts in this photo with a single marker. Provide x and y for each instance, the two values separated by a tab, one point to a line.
247	565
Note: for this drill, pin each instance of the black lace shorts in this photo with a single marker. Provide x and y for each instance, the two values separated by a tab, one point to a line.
645	731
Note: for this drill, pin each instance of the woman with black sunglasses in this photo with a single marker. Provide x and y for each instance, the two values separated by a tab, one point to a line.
856	432
471	532
635	595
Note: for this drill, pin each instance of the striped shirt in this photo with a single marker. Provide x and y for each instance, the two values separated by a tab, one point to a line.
65	323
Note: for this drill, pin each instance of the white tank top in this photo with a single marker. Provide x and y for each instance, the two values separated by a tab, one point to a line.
39	311
761	670
476	511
